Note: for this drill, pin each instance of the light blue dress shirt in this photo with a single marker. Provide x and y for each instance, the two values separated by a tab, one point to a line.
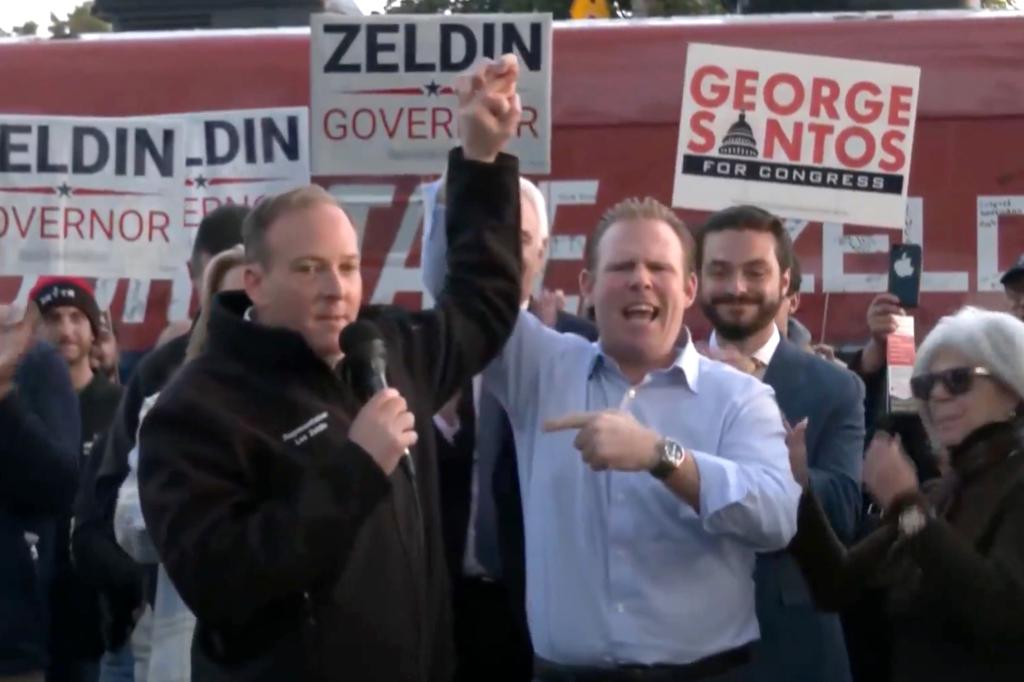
620	570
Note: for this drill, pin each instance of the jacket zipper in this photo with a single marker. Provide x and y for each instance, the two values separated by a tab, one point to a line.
32	542
312	642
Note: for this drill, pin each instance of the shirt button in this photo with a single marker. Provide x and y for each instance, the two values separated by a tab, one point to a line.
620	608
631	393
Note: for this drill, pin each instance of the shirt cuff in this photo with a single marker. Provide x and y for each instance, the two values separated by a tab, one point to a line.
720	482
447	430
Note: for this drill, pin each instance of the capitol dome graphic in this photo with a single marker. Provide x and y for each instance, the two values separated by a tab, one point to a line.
739	141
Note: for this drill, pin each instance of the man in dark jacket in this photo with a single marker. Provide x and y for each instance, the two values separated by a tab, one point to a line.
275	501
100	560
745	257
71	322
40	436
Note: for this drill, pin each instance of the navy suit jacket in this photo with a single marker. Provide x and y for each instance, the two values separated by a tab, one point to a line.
798	643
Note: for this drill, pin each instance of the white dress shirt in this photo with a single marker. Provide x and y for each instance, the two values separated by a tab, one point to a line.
763	354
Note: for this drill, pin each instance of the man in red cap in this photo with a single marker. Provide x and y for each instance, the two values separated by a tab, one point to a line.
71	322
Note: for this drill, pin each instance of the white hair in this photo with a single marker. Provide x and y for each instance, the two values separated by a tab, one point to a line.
433	192
988	339
533	195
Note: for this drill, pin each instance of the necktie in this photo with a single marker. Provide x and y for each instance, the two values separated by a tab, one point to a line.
488	442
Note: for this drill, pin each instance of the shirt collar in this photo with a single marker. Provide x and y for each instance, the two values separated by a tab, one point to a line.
763	354
686	362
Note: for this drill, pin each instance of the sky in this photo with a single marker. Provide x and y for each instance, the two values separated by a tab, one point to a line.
17	12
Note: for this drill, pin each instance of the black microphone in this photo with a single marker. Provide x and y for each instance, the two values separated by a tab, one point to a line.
366	357
366	363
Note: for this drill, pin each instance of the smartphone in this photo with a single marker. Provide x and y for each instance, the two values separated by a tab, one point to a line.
905	273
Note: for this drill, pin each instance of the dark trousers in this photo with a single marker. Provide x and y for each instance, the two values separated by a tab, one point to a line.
868	638
63	670
491	638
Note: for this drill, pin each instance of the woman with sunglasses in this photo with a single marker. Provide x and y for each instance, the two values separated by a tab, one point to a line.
950	555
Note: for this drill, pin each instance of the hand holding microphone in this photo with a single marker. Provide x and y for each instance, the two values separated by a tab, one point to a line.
385	428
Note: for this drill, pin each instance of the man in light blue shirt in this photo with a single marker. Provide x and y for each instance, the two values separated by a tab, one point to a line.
625	568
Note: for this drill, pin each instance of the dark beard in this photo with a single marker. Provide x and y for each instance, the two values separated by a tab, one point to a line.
734	331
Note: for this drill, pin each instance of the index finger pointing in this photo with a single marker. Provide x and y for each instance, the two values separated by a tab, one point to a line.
573	420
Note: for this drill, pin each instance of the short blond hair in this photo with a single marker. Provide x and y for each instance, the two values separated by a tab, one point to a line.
213	280
635	208
266	212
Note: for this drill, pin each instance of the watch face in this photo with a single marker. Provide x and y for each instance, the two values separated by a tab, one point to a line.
674	452
912	521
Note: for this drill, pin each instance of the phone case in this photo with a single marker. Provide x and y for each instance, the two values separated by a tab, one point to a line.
905	273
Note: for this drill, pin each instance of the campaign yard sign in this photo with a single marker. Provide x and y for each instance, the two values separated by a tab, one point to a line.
231	157
82	196
91	197
382	93
815	138
239	157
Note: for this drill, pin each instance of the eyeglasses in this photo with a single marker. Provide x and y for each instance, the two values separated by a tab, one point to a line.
956	381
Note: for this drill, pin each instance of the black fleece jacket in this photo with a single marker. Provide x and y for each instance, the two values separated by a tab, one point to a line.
299	557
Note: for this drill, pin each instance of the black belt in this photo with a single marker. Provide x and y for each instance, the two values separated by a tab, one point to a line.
475	580
711	666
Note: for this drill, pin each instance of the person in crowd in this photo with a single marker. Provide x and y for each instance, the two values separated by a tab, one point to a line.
745	260
548	304
125	586
289	517
535	234
71	322
865	620
950	553
162	640
791	328
869	362
640	547
106	355
1013	284
40	427
481	508
177	330
218	231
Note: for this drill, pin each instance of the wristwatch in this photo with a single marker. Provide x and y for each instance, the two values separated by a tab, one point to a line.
670	455
911	521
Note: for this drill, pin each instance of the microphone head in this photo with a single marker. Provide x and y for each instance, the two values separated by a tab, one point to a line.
362	340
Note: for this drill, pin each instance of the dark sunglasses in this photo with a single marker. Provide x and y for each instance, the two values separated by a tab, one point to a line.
956	381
